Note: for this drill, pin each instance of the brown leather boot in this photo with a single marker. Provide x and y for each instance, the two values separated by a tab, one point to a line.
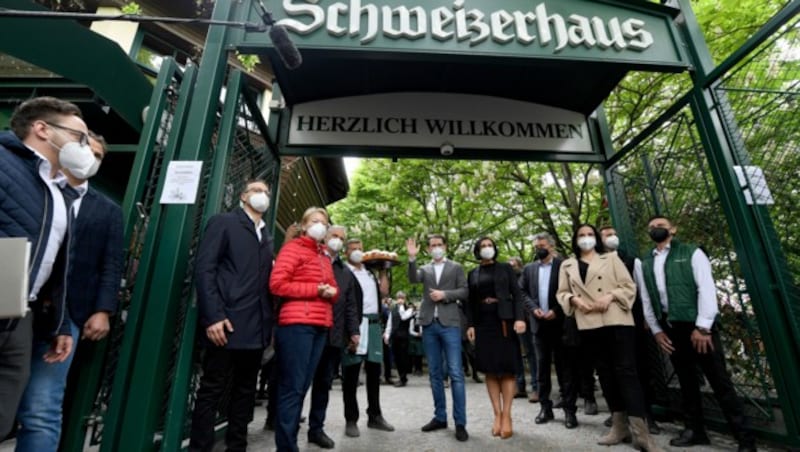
619	430
641	435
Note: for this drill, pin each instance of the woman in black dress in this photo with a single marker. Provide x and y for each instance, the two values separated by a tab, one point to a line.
494	318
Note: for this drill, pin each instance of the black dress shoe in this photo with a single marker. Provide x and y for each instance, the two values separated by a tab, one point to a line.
570	421
590	407
545	415
521	394
690	438
400	384
379	423
321	439
434	424
653	427
461	433
476	378
747	446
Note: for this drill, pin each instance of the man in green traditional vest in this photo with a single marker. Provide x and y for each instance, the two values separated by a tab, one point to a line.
680	305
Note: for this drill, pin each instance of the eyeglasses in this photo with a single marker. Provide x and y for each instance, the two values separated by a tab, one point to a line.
84	137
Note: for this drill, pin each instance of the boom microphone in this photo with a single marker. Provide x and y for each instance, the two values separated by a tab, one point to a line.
285	48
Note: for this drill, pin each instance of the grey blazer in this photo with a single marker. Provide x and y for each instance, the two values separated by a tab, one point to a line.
529	283
452	282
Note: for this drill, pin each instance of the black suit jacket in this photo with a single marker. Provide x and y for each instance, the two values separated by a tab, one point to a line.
529	283
347	310
95	256
232	279
510	304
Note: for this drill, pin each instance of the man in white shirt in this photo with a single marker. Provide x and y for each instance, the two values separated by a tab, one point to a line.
47	134
680	305
368	291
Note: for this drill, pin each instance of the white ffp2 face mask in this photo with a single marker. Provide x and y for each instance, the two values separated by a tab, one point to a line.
487	253
612	242
78	159
317	231
259	202
335	244
437	253
586	243
356	256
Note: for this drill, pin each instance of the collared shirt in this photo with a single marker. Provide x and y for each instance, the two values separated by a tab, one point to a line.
545	270
405	314
438	268
368	288
82	189
58	226
707	308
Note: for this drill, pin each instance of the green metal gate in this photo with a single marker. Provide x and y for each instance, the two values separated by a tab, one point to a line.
676	168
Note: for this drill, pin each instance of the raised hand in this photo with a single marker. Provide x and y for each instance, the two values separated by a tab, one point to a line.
412	248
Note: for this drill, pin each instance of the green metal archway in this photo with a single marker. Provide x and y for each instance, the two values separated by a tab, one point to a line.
537	57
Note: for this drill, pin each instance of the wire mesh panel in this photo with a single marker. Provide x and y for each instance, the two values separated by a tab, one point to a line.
668	174
134	249
762	97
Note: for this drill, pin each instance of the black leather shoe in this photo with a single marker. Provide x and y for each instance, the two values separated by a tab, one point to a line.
321	439
590	407
653	427
690	438
476	378
400	384
747	446
521	394
351	430
434	425
379	423
608	422
461	433
570	421
545	415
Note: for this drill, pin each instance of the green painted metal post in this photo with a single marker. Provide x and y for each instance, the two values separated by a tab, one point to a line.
175	417
150	363
752	245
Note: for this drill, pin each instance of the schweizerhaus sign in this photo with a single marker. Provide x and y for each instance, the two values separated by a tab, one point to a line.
461	23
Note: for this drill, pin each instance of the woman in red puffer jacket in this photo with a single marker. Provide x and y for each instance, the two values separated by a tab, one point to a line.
302	278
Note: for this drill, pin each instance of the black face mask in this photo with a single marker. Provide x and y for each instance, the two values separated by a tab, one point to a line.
542	253
659	234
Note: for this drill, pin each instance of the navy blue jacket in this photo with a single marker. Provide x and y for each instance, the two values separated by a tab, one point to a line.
232	280
26	210
96	248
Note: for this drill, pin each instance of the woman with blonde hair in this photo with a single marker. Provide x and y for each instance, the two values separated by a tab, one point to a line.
303	280
597	289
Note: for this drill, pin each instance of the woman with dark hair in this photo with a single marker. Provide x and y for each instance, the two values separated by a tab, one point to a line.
495	316
598	290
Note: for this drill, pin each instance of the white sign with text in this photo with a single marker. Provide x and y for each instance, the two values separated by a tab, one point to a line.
433	120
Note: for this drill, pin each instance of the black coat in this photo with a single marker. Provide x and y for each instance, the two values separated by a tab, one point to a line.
510	304
347	310
232	279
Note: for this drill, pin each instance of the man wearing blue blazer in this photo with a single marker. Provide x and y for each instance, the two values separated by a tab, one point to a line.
232	271
94	252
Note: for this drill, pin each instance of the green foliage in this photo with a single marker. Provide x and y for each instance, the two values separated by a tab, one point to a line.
132	8
249	62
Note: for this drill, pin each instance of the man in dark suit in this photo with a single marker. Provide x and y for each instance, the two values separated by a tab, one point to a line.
539	283
94	272
232	274
444	285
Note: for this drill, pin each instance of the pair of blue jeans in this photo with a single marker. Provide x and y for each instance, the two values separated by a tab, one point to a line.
438	339
40	410
298	349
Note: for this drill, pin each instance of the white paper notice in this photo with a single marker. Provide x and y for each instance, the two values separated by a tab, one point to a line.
183	178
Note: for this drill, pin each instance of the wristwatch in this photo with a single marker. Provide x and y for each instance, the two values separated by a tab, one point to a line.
704	331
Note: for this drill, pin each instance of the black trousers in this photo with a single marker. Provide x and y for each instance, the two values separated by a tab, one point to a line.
220	366
586	368
320	388
350	385
571	370
685	361
401	358
387	362
614	351
645	362
549	351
